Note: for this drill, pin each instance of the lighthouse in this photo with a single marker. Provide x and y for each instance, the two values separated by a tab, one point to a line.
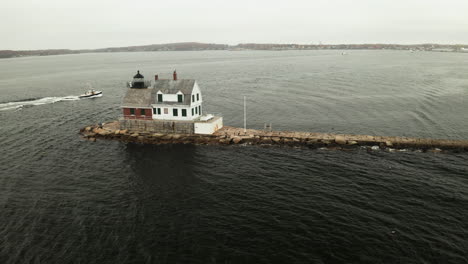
139	81
172	103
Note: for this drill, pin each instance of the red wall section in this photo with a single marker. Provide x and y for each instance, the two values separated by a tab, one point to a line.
148	113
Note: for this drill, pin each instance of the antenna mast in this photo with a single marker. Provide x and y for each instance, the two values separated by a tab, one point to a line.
245	117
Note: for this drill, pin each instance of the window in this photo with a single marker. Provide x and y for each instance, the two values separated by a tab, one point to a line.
166	111
159	111
179	98
193	98
132	111
142	112
198	97
184	112
175	112
196	110
199	109
160	97
193	112
154	111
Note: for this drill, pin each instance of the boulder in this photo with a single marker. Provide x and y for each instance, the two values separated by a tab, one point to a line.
104	133
265	140
236	140
92	139
340	139
135	135
167	137
351	142
182	138
88	129
388	143
276	139
123	132
176	136
98	130
224	141
117	132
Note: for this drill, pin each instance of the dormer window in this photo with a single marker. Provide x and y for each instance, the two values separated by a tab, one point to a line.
160	99
180	98
198	97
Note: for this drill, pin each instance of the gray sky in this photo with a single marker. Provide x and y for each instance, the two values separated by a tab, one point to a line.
75	24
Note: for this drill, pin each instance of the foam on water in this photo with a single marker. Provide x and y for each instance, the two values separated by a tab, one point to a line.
18	105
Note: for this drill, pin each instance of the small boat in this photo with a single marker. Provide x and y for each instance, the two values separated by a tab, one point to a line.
91	94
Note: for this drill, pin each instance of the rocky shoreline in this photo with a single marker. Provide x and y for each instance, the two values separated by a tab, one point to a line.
235	136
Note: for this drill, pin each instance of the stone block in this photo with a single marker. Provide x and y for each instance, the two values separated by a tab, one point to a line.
276	139
340	139
236	140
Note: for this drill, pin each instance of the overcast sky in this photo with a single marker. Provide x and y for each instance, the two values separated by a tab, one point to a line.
76	24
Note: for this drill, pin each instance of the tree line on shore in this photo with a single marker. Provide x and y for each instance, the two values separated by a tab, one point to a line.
193	46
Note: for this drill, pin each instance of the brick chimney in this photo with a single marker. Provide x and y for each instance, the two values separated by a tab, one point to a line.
156	77
175	75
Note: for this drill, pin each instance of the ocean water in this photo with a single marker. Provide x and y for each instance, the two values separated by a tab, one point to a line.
67	200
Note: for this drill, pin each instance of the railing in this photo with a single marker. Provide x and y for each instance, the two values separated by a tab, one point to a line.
146	84
213	115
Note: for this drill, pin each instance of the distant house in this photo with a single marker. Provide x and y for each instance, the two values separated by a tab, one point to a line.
167	100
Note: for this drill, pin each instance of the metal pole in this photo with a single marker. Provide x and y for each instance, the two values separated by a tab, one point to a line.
245	117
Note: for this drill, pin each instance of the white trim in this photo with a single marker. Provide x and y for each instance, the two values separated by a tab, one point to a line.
170	112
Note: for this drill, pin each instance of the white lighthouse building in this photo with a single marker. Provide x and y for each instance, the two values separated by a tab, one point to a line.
177	99
170	103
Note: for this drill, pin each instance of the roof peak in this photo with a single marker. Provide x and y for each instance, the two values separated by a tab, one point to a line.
138	75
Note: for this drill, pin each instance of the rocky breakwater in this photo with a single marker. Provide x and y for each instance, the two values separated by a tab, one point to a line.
233	135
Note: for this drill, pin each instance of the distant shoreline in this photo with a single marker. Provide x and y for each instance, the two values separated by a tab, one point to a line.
195	46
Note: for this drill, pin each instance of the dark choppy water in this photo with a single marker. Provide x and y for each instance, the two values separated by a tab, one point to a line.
65	200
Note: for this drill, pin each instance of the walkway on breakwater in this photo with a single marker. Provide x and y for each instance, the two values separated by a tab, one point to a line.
232	135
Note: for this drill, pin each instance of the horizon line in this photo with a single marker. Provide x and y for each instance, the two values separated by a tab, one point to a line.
244	43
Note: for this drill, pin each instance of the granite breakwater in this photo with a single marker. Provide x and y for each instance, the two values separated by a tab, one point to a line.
232	135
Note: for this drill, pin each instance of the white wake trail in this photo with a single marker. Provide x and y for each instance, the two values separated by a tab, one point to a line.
18	105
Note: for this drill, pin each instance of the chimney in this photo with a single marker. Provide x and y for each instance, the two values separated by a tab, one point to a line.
175	75
156	77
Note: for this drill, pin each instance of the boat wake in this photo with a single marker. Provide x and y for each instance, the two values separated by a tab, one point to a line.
18	105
